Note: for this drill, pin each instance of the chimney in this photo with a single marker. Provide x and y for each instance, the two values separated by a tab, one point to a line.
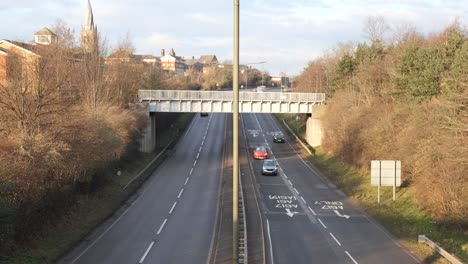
193	57
162	53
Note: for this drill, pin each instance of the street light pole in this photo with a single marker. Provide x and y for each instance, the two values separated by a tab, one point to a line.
235	137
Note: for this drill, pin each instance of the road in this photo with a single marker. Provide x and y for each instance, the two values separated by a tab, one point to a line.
173	218
306	219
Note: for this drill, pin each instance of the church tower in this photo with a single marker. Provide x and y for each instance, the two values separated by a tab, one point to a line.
89	37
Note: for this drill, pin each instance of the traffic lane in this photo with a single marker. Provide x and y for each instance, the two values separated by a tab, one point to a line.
361	236
187	235
295	240
126	237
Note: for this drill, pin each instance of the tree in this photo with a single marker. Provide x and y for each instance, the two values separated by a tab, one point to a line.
375	28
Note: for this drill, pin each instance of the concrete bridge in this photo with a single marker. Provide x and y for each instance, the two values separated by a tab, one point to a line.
222	102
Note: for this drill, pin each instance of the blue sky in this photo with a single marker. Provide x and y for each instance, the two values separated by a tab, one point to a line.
285	34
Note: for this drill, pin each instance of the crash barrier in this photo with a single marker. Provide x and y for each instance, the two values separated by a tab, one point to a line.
424	239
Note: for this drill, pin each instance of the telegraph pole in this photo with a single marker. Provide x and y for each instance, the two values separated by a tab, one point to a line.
235	139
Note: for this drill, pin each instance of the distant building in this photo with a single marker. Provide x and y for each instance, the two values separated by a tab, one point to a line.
45	36
89	35
171	62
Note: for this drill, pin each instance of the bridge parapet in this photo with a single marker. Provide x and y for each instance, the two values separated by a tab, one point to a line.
221	101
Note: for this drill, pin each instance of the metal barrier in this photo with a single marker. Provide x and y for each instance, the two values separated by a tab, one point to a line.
242	243
448	256
158	95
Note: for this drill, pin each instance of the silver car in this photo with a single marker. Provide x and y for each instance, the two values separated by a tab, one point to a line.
269	167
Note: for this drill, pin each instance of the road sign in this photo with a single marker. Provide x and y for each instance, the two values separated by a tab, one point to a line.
385	173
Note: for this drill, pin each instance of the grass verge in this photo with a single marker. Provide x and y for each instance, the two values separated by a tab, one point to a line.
90	210
402	217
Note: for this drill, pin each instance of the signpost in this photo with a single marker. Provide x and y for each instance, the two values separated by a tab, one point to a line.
385	173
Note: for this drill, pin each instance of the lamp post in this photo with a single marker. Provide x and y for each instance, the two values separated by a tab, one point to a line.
235	137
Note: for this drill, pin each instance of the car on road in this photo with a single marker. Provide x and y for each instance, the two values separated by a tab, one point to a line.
203	114
260	153
278	137
269	167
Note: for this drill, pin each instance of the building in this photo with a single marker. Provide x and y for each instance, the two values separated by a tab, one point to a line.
45	36
171	62
89	35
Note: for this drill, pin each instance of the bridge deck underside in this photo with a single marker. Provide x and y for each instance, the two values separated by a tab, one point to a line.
227	106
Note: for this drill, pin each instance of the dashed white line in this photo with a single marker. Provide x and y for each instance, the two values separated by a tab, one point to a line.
173	206
195	163
351	257
322	224
147	251
198	155
311	210
180	193
199	150
303	200
296	190
290	183
187	178
190	173
162	226
338	242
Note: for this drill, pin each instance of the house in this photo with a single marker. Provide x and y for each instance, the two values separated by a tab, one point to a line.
171	62
203	63
45	36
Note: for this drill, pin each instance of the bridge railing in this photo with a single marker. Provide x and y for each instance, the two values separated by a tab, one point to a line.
161	95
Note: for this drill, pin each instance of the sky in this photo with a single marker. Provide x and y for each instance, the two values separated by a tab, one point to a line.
285	34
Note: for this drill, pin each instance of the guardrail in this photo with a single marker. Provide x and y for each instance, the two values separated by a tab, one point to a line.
158	95
242	252
424	239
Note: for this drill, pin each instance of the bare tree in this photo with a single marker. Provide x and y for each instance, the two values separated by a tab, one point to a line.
375	28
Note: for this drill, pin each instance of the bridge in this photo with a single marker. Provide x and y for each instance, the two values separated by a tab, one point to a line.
222	102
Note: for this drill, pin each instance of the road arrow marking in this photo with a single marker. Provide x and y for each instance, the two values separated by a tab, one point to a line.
291	214
340	215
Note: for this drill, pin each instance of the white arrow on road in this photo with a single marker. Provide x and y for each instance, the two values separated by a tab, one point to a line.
340	215
291	214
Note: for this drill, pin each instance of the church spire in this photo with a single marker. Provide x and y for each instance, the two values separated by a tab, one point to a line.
89	20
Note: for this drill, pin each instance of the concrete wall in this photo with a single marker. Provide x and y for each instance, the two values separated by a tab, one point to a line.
148	140
314	128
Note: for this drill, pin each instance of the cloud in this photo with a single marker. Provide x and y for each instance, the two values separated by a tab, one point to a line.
203	18
157	41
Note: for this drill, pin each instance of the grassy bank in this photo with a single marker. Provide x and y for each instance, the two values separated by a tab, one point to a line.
92	209
403	217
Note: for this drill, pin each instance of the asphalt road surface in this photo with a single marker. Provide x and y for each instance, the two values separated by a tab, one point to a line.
307	220
173	219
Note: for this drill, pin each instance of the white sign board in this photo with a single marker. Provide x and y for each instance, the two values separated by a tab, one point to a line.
389	172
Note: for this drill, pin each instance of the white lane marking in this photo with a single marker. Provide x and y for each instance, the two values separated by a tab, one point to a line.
186	180
335	239
322	223
286	177
199	150
191	171
195	163
296	190
351	257
198	155
269	240
290	183
303	200
312	210
173	206
147	251
180	193
162	226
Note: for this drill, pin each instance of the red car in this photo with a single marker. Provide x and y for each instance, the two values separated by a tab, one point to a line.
260	153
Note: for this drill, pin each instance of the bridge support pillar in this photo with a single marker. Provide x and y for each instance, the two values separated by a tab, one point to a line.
148	139
314	126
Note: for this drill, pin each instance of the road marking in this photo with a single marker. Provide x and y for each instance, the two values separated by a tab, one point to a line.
269	240
191	171
198	155
296	190
162	226
147	251
322	223
187	178
351	257
180	193
199	150
335	239
290	183
291	214
340	215
195	163
173	206
312	210
303	200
